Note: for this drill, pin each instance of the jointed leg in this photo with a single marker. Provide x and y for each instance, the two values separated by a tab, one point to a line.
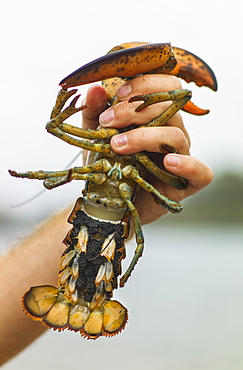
176	181
96	178
126	194
131	173
57	178
62	97
57	127
179	98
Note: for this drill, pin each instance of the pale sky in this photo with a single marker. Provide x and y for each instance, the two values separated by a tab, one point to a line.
42	42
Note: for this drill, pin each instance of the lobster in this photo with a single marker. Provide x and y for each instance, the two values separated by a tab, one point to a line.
95	246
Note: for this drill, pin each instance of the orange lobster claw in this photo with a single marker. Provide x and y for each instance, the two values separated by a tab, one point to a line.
124	63
191	68
135	58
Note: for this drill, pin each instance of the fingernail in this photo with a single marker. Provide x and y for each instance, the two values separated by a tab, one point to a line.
124	90
173	160
120	140
107	116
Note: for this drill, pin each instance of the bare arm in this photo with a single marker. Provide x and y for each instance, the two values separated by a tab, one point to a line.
33	262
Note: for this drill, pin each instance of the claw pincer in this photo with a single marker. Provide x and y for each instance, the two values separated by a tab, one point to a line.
90	267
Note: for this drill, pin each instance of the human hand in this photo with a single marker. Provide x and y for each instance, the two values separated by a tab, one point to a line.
149	139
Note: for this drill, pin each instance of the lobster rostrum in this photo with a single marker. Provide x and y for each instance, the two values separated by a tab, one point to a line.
91	263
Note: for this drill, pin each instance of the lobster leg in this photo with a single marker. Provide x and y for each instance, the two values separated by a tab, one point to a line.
56	123
63	130
169	112
179	97
58	128
130	172
95	178
61	99
84	144
176	181
126	194
57	178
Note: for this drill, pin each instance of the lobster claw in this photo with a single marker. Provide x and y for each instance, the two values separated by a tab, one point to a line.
124	62
191	68
135	58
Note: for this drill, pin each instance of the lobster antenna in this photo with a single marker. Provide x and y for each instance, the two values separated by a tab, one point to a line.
37	195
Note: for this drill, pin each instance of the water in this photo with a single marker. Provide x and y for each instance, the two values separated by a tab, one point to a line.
185	302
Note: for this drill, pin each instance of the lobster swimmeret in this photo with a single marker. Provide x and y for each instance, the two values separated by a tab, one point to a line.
91	263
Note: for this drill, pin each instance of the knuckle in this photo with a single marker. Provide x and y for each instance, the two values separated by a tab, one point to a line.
137	140
209	175
175	82
121	112
155	83
181	142
201	173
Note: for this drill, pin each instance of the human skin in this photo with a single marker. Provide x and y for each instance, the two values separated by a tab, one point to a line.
34	261
174	134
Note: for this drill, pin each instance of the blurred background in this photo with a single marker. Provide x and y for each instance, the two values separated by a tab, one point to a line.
185	298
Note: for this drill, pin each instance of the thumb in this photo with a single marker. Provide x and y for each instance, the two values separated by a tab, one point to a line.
196	172
96	101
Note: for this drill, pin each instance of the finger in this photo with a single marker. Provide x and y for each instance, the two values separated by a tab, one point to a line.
196	172
146	84
96	101
122	114
150	139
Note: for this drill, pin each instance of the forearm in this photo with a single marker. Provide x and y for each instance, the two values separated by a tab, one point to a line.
32	262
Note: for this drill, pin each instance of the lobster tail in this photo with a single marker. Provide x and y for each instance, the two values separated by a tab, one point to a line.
89	268
37	301
49	305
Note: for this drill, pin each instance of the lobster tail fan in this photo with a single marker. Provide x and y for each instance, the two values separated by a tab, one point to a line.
47	304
